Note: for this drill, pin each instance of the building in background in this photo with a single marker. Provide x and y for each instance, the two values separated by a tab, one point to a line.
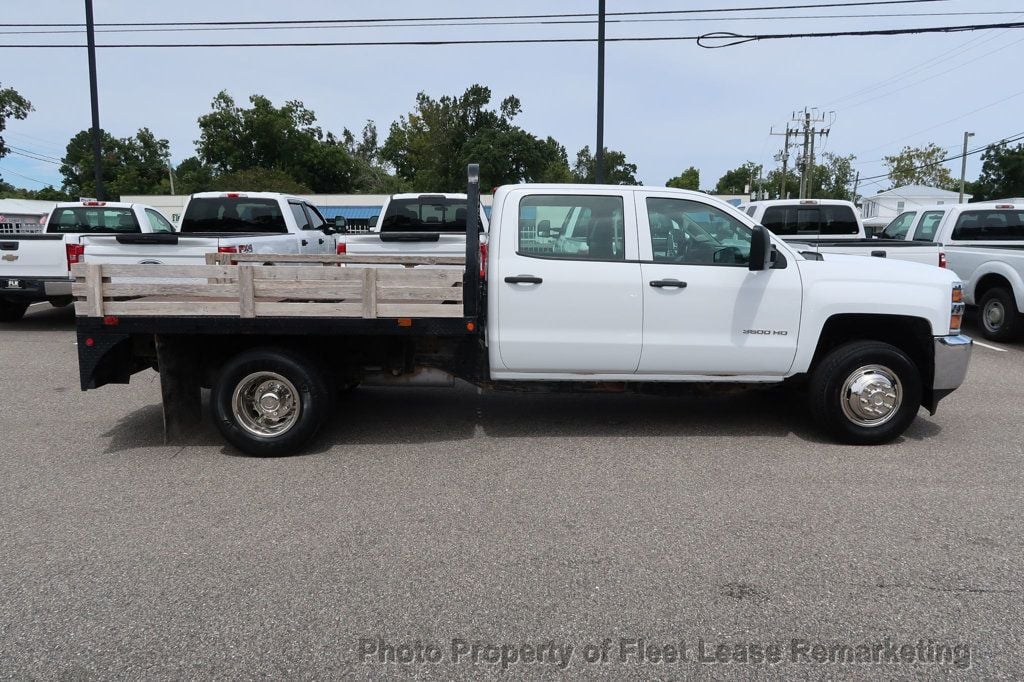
24	216
891	203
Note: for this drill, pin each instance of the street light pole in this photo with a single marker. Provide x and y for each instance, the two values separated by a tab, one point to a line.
963	167
96	150
599	155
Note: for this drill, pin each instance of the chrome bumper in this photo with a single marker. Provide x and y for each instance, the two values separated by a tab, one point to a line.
952	355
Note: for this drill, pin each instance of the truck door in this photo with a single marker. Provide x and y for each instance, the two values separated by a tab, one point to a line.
311	241
565	284
704	311
325	243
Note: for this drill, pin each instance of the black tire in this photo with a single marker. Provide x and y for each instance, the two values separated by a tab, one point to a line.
288	378
885	374
997	315
11	311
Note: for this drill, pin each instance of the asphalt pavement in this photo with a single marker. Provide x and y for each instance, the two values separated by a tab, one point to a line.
450	533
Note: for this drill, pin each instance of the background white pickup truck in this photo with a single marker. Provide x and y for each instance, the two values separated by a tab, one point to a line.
415	224
834	226
226	222
984	245
36	267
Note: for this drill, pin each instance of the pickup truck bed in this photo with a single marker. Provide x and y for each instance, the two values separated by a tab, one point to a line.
928	253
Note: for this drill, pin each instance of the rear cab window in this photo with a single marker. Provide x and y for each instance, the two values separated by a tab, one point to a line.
95	219
800	220
233	214
425	213
990	225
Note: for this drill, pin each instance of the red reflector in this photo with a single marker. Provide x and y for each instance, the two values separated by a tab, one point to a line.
942	260
90	342
471	326
111	320
405	322
232	195
342	248
227	249
1004	205
483	262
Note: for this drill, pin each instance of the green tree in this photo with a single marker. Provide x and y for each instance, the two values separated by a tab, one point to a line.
833	177
130	165
688	179
1002	173
47	193
259	180
739	180
12	105
430	147
192	175
286	139
920	166
617	171
773	184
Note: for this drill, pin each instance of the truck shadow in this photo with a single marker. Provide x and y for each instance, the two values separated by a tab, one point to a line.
43	318
386	416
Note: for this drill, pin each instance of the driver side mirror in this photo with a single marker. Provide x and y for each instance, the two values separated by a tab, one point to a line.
760	248
340	224
544	228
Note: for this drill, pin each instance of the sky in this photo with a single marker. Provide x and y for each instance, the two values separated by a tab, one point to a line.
669	104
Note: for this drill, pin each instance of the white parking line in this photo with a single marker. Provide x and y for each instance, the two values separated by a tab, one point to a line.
985	345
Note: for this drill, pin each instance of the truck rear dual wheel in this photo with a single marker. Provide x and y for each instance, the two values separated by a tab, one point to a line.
865	392
999	318
11	311
270	402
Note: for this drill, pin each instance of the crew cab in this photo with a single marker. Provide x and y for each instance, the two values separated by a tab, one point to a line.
37	267
421	224
224	222
657	290
984	246
834	226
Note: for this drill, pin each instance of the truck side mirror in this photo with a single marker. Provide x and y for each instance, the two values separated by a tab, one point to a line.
340	224
760	248
544	228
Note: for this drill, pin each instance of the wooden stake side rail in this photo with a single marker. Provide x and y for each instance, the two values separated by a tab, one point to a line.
252	291
327	259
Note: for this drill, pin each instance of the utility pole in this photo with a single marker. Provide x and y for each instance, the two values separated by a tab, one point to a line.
783	156
599	154
856	182
963	167
170	173
808	127
96	150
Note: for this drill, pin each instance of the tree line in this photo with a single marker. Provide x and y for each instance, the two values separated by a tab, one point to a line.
265	147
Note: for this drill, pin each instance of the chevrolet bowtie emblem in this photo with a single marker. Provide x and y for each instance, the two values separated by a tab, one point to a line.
10	257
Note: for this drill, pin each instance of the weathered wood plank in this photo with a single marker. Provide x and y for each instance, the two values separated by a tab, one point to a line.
419	293
331	259
308	309
308	274
370	293
164	272
94	278
172	289
312	290
172	308
418	310
246	292
417	277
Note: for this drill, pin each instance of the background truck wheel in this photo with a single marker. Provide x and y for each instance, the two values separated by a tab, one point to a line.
11	311
998	313
269	402
865	392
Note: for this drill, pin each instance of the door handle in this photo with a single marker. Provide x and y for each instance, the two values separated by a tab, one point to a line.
321	241
305	243
668	283
878	254
523	279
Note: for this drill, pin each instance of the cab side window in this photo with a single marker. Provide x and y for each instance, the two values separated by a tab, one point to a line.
300	216
899	227
692	233
572	227
157	222
926	229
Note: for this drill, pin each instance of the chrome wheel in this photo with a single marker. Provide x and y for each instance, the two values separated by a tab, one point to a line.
871	395
266	404
993	316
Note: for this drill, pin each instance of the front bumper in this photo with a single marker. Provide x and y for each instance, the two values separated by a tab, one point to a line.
952	356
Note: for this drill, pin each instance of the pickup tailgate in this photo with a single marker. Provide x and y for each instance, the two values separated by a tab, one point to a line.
34	256
927	253
169	249
406	244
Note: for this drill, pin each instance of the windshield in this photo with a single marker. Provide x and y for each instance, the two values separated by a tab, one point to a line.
425	214
74	219
233	214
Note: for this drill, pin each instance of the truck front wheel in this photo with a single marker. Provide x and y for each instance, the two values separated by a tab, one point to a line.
999	318
865	392
11	311
269	402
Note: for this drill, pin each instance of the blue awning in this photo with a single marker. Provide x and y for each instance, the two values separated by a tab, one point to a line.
350	212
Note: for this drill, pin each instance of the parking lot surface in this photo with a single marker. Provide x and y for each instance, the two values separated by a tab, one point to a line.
445	519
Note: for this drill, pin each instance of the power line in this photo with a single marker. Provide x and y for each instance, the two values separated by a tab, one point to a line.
1014	138
35	158
488	24
29	151
495	17
730	39
8	170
